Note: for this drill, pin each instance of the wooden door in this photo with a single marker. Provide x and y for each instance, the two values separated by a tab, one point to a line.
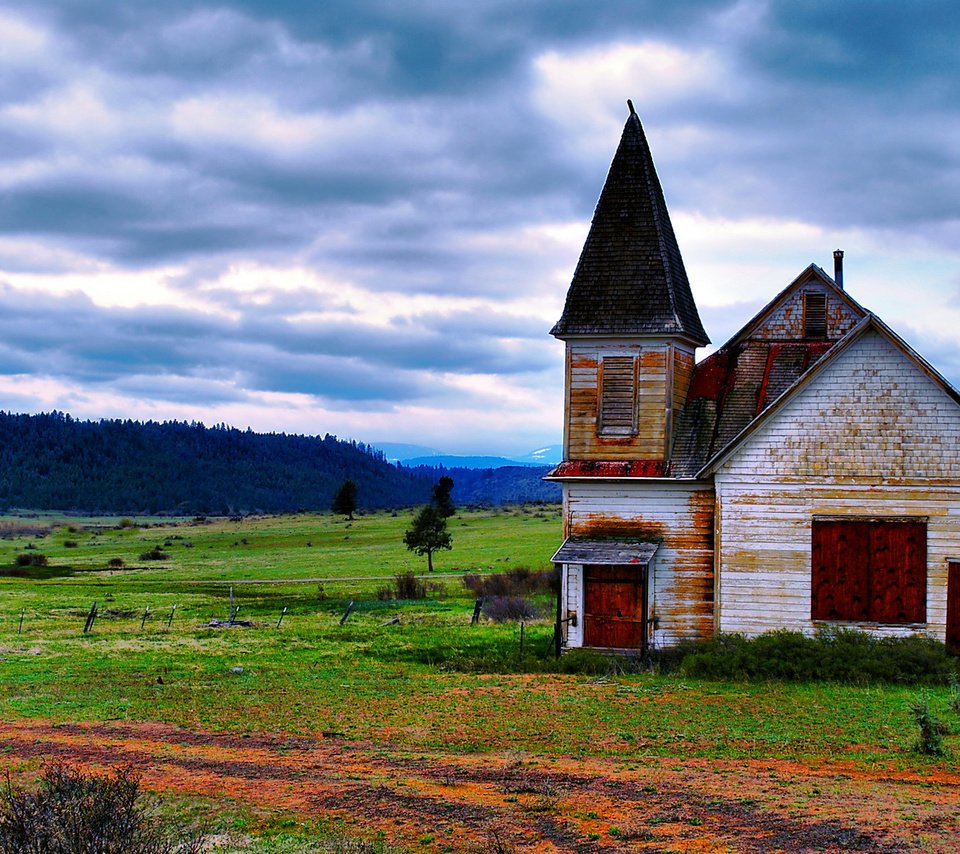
615	607
953	605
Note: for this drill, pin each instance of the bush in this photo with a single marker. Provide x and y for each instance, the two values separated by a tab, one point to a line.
32	560
519	581
503	609
70	544
932	730
116	563
836	655
406	585
156	553
74	813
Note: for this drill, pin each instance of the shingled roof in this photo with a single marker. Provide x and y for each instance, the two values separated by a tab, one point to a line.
630	279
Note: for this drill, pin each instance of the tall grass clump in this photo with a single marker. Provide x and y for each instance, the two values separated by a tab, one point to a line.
72	812
519	581
837	655
406	585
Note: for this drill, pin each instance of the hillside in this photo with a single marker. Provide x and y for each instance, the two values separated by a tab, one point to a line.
55	462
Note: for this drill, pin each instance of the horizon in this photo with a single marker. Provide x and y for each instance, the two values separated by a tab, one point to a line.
362	220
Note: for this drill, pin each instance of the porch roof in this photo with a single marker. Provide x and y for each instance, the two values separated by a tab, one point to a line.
609	552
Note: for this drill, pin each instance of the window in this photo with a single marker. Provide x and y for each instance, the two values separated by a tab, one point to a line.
618	397
869	570
814	315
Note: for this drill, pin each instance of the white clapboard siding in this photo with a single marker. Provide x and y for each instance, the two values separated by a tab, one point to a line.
678	514
872	416
872	435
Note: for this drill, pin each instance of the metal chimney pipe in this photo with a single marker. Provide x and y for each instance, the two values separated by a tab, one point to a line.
838	267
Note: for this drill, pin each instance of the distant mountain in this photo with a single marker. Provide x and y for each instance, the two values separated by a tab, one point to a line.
451	461
550	455
400	452
494	486
418	455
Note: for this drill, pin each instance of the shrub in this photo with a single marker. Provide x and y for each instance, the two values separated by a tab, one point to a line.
32	560
519	581
70	544
503	609
835	655
156	553
125	522
75	812
116	563
406	585
932	730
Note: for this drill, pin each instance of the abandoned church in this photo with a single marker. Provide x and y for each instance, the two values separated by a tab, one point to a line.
804	475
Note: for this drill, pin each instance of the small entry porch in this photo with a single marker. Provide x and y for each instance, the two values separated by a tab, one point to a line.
605	598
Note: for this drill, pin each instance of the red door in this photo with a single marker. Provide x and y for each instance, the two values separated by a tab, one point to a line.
953	606
615	607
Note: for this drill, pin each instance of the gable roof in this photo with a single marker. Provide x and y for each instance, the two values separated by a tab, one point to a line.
630	279
868	323
736	384
812	273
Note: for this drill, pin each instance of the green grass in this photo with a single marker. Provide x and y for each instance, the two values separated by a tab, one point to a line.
431	682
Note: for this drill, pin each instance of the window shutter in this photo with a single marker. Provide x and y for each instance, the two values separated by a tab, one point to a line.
814	315
618	395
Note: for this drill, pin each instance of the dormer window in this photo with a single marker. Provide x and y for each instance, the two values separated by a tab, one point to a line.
618	396
814	315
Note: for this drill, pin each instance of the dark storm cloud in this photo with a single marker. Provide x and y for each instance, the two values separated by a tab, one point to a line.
73	339
404	148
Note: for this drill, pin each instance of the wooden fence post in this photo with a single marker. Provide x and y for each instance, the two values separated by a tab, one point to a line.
347	613
20	627
91	617
476	611
146	611
170	618
284	611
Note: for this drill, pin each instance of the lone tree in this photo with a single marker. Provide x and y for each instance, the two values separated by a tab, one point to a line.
441	497
428	534
345	501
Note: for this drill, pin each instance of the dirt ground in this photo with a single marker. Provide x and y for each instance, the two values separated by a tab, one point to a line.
489	802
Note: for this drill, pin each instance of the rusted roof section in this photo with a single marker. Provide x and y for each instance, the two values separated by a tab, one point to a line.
731	388
610	468
609	552
869	322
630	279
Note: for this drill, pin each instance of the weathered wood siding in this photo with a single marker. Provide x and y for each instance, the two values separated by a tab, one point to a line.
785	322
871	436
678	514
572	597
662	366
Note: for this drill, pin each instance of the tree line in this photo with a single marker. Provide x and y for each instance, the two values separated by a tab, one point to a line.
52	461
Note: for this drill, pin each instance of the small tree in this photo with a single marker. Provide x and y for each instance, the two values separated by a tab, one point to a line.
428	534
441	497
345	501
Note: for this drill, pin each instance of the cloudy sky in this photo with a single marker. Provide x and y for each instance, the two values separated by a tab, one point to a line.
361	217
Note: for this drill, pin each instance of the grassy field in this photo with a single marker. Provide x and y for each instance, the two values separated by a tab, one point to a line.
401	731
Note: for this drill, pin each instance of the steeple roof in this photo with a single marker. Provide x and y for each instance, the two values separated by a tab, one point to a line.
630	279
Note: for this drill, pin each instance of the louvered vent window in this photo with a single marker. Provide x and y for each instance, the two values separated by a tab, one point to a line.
814	316
618	395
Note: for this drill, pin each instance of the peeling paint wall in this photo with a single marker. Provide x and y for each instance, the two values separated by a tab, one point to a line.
872	435
681	516
786	320
662	367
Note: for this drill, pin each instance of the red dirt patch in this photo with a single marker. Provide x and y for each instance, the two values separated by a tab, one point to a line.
569	804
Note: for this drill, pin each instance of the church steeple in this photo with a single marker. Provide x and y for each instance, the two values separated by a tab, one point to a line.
630	279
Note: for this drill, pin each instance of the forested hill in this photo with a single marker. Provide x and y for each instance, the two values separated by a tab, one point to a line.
54	462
